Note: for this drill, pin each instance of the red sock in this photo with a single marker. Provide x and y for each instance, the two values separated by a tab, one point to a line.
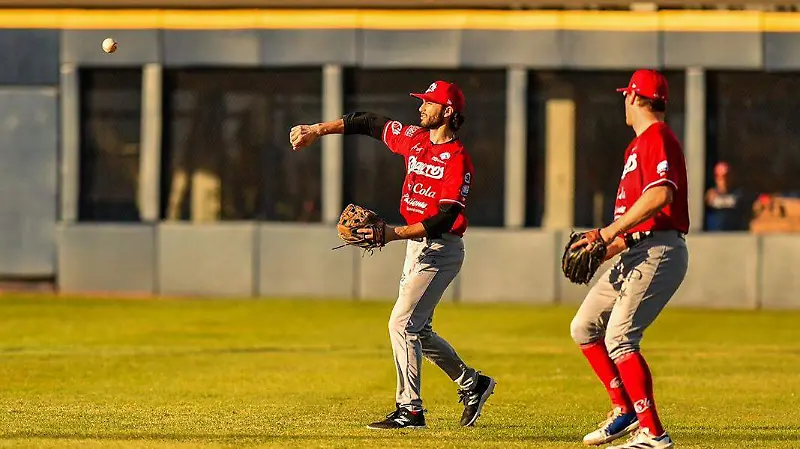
639	383
606	370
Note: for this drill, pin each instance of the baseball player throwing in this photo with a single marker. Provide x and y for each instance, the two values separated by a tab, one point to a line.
651	217
439	174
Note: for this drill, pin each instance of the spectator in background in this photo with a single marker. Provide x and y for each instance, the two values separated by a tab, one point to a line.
727	205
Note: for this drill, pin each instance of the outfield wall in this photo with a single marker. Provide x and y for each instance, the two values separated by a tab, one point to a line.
738	271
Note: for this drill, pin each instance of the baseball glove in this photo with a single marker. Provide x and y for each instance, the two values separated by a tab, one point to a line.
355	217
580	264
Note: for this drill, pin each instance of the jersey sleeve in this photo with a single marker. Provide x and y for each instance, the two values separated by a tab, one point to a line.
659	166
398	137
457	180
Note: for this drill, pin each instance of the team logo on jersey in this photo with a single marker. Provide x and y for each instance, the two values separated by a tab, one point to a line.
414	205
662	168
630	165
420	189
421	168
464	190
445	156
417	147
411	130
396	128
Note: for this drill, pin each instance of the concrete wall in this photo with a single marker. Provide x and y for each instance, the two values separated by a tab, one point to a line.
216	260
28	180
731	271
107	258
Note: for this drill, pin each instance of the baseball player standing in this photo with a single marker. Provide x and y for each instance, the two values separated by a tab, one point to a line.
651	218
439	174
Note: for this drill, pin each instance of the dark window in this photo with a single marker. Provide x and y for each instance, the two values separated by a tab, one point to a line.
226	145
110	106
753	125
374	176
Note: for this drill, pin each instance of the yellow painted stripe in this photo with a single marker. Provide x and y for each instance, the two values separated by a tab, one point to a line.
611	21
711	21
99	19
697	21
782	22
312	18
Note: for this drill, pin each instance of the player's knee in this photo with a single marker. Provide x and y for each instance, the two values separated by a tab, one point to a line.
619	344
582	331
404	325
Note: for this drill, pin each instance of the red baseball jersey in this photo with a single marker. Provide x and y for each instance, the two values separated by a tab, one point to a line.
652	159
435	173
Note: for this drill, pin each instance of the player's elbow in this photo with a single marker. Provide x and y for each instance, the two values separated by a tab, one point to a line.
661	196
442	222
669	195
364	123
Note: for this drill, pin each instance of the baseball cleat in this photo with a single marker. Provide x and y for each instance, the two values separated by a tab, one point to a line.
616	425
402	418
643	439
475	399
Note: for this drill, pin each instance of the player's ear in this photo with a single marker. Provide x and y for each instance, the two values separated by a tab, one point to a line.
448	111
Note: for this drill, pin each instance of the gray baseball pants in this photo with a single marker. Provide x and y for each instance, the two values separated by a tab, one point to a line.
430	266
629	296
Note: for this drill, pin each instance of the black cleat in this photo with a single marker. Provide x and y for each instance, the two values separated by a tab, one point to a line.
401	418
474	399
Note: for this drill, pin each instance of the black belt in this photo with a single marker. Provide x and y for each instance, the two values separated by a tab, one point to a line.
422	239
635	237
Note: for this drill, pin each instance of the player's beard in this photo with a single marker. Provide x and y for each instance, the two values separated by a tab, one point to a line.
431	122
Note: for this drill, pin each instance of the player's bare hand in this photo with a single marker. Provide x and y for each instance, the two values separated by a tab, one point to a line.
366	233
302	136
596	235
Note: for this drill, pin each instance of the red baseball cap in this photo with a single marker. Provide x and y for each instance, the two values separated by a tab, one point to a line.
444	93
649	84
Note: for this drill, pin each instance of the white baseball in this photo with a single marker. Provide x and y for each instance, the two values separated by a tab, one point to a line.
109	45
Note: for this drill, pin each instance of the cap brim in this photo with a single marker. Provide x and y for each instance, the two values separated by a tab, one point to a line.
425	97
623	89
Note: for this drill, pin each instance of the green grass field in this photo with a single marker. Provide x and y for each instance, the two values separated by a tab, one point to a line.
272	373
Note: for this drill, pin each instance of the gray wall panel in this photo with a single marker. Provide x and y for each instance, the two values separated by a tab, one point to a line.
540	49
508	266
611	50
30	57
423	48
723	270
782	51
213	259
713	50
212	47
780	281
107	258
378	276
308	47
297	260
135	47
28	175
